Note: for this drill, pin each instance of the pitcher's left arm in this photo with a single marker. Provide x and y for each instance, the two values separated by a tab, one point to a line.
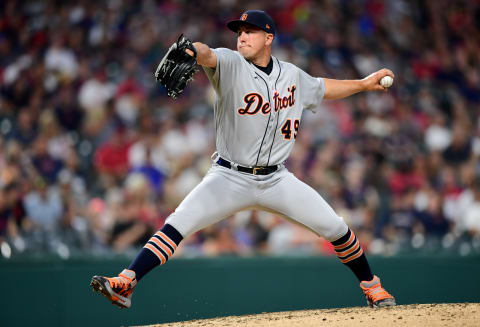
338	89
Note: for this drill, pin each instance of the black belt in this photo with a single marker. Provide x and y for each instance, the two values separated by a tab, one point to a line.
254	171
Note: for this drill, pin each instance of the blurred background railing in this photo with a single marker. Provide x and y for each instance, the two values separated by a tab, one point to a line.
53	292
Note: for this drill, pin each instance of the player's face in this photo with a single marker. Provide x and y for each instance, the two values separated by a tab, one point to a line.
252	41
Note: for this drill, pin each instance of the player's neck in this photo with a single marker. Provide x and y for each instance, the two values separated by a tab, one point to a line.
262	63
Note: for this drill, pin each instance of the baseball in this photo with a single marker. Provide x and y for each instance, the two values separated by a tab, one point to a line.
386	81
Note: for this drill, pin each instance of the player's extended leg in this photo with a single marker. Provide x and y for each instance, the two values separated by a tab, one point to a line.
299	202
219	195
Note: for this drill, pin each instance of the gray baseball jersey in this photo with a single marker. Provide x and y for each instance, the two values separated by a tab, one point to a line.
257	116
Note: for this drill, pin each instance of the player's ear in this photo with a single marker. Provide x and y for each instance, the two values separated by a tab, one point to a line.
269	39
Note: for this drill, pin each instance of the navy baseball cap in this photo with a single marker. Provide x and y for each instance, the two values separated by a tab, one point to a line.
257	18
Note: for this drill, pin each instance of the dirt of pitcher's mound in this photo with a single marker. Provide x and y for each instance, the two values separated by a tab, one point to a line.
421	315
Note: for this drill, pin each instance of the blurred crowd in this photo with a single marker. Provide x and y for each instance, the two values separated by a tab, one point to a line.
94	156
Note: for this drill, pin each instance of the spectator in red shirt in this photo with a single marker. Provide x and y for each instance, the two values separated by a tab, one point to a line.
111	158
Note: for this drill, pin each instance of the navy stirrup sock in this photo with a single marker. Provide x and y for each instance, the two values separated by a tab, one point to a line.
158	250
350	252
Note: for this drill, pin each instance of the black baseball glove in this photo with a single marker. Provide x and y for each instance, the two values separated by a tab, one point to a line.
177	67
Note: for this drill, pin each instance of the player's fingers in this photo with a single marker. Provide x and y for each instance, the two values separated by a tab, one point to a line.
373	80
386	72
378	87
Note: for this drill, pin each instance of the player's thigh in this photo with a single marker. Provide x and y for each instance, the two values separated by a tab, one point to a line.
301	203
218	196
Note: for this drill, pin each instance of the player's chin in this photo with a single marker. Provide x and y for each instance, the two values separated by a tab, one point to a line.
245	53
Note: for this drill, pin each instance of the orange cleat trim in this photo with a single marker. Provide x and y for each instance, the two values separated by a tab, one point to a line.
376	292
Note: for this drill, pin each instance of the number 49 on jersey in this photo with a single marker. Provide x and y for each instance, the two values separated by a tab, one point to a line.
286	129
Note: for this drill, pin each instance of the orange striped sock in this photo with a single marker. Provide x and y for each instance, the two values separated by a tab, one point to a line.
162	246
159	248
350	252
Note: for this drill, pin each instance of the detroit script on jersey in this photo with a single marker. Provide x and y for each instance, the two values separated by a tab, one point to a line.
254	101
257	116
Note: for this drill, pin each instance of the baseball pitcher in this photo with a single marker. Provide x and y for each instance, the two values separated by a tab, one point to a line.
258	109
